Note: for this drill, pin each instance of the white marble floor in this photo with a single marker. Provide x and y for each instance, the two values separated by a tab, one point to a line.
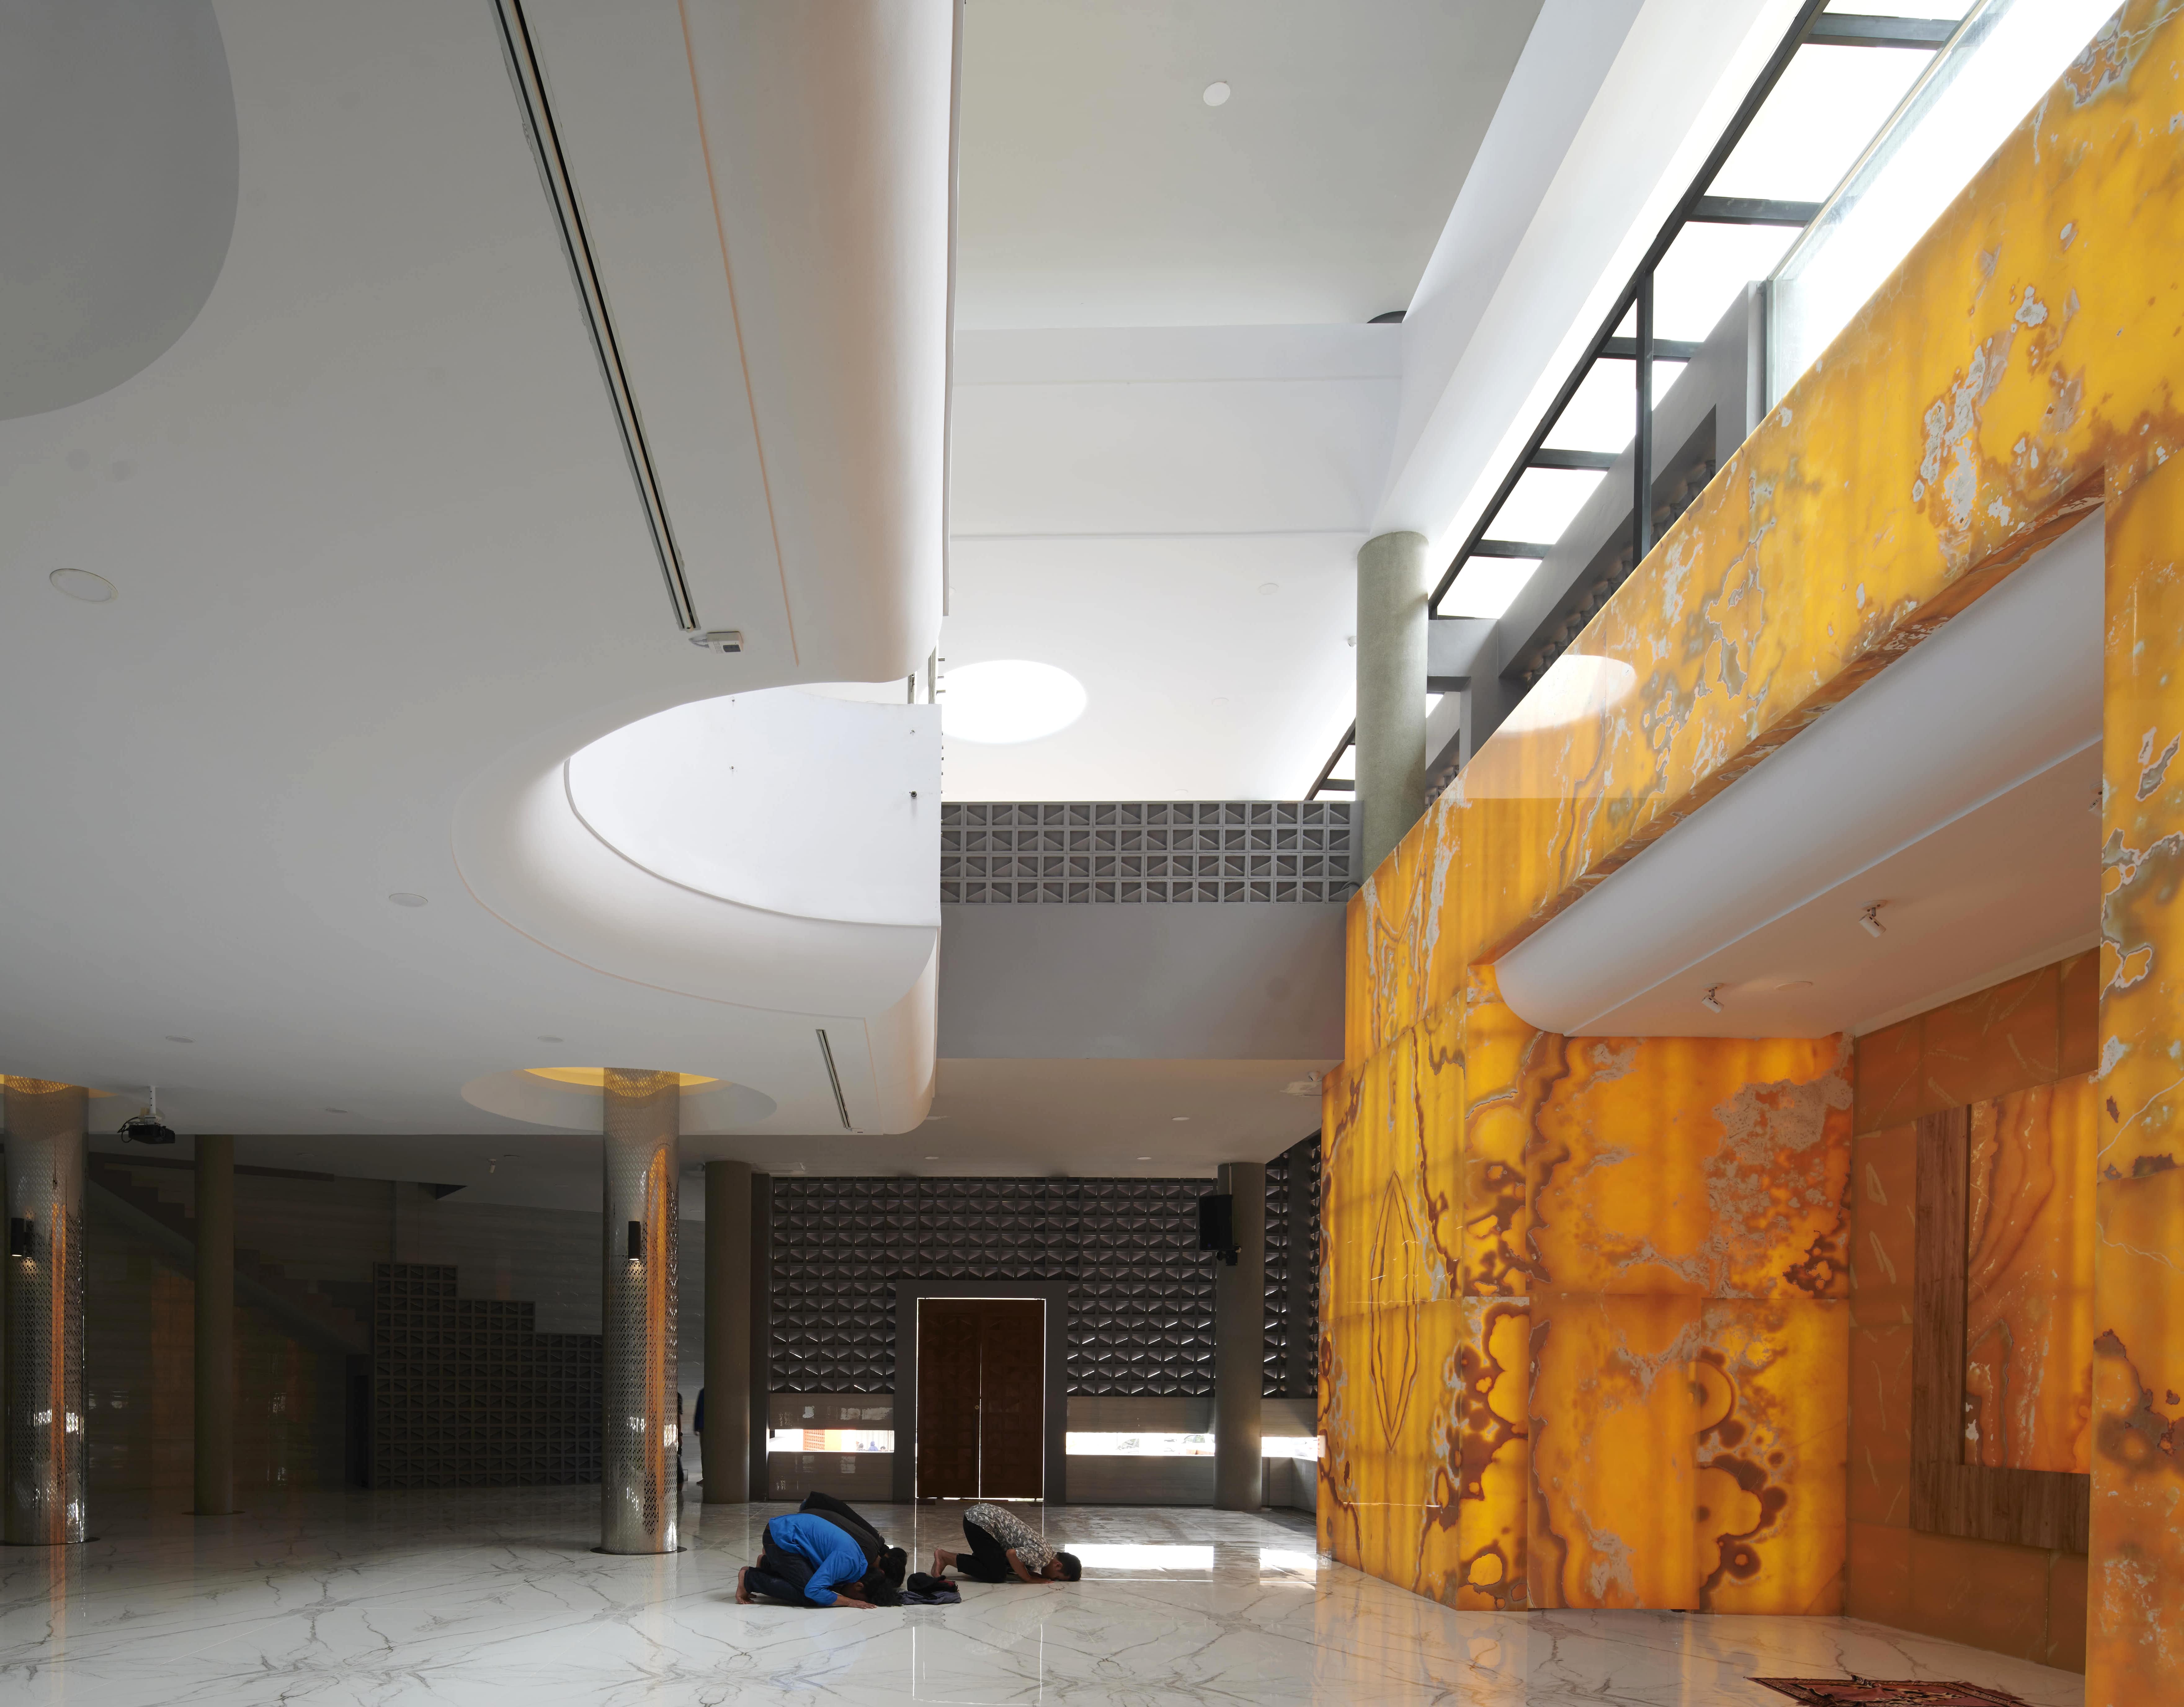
494	1596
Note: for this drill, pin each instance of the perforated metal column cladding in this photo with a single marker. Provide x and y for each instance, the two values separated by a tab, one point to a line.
1140	1293
1293	1272
44	1342
638	1440
1059	852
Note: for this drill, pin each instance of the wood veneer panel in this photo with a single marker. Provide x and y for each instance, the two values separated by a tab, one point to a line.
1011	1398
1937	1304
2024	1508
948	1357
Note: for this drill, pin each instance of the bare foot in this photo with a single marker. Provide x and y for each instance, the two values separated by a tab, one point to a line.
743	1597
939	1568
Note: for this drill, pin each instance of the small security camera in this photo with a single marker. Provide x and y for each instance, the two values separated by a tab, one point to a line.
730	640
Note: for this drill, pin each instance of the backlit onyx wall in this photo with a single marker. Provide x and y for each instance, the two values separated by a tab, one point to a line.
1141	1292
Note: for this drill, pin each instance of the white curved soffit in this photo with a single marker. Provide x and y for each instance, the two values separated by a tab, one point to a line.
2001	694
828	131
785	801
718	1105
528	857
120	124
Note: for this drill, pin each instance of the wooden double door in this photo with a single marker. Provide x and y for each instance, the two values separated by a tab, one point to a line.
981	1398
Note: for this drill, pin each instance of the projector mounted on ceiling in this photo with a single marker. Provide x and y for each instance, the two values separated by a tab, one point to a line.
147	1128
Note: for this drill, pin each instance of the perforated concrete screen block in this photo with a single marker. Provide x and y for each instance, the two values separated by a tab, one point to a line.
466	1393
1090	852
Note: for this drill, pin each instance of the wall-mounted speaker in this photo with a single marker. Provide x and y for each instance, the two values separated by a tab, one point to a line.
1216	1224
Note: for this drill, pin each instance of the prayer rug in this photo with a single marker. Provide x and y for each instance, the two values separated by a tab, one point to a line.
1868	1692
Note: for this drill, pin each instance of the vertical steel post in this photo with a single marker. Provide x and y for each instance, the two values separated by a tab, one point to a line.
638	1495
45	1414
1641	446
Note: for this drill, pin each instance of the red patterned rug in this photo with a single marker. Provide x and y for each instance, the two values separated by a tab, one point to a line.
1867	1692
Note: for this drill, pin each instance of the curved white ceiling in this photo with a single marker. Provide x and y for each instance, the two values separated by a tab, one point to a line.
1982	738
379	558
818	807
110	257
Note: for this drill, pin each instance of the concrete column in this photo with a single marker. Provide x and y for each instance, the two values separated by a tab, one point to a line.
214	1437
42	1391
727	1439
760	1346
1240	1342
1391	691
637	1502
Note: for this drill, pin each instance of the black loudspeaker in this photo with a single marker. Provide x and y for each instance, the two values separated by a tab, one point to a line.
1217	1224
19	1232
634	1248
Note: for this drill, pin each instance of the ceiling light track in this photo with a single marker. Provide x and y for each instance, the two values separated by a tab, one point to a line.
529	80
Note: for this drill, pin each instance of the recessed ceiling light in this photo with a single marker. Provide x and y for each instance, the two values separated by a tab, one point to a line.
1144	1158
543	1038
81	584
337	1111
1216	95
181	1040
932	1158
402	897
1179	1117
1220	699
1796	983
1267	587
1010	699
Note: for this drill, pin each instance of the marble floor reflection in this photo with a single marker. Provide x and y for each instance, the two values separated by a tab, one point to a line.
494	1596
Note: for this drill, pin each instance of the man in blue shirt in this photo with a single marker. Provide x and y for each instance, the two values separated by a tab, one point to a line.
802	1560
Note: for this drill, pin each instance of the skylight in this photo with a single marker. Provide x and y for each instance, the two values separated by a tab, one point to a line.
1818	119
1862	137
2007	57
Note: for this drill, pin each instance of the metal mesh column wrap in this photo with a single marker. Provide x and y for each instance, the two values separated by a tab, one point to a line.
44	1394
643	1118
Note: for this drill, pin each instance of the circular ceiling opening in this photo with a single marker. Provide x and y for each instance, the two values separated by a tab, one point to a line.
1010	699
81	584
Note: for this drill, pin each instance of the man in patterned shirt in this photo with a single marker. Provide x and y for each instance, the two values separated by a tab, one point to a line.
1002	1546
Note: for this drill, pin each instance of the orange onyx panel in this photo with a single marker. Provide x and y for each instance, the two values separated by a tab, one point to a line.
2134	1616
2027	1030
1506	1066
1712	1167
1392	1446
2029	1279
1493	1463
2135	1601
2026	351
1688	1452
